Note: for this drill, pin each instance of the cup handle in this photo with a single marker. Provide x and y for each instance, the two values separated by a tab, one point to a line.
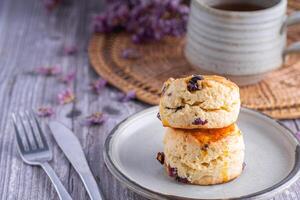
292	19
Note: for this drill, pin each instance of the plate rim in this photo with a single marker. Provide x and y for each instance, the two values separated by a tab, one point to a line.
291	178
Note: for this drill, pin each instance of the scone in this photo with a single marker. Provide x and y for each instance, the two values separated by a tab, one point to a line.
199	102
203	157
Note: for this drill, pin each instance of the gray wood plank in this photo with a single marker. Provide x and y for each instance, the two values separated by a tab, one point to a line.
31	37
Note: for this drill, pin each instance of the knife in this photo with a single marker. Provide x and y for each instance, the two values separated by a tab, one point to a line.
71	147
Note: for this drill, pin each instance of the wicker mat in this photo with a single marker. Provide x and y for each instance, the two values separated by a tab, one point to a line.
278	95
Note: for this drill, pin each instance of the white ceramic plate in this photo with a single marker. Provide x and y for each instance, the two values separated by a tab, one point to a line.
272	154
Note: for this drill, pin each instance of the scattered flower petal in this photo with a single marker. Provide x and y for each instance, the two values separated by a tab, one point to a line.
160	157
127	96
66	96
70	49
199	121
98	85
47	71
51	4
96	118
68	78
45	111
130	53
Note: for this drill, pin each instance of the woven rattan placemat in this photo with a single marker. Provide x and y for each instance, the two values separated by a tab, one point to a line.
278	95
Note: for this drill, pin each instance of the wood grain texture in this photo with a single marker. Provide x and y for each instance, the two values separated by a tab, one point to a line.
31	37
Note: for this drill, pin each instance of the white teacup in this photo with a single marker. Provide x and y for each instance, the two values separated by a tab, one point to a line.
242	45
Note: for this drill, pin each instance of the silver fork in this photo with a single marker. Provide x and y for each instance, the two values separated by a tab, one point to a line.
36	152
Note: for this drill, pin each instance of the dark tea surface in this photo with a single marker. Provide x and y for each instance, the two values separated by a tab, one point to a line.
238	7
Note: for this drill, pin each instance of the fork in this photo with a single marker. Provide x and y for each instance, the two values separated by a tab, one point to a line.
36	152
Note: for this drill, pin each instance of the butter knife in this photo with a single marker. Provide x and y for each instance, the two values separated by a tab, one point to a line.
71	147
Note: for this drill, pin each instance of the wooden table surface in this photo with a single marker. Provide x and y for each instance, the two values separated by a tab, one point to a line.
31	37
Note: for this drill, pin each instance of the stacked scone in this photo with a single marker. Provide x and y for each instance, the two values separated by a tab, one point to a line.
202	143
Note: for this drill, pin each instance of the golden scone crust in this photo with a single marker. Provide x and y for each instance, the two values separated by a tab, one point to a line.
204	157
199	102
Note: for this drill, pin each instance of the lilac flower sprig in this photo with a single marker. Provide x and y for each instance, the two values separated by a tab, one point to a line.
97	118
68	78
47	71
97	85
45	111
127	96
144	20
66	96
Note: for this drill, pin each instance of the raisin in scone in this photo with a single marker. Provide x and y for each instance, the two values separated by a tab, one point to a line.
199	102
203	157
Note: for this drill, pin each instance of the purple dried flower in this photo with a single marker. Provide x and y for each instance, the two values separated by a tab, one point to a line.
99	24
96	118
68	78
130	53
70	49
127	96
172	171
45	111
51	4
144	20
199	121
98	85
48	71
160	157
136	39
66	96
